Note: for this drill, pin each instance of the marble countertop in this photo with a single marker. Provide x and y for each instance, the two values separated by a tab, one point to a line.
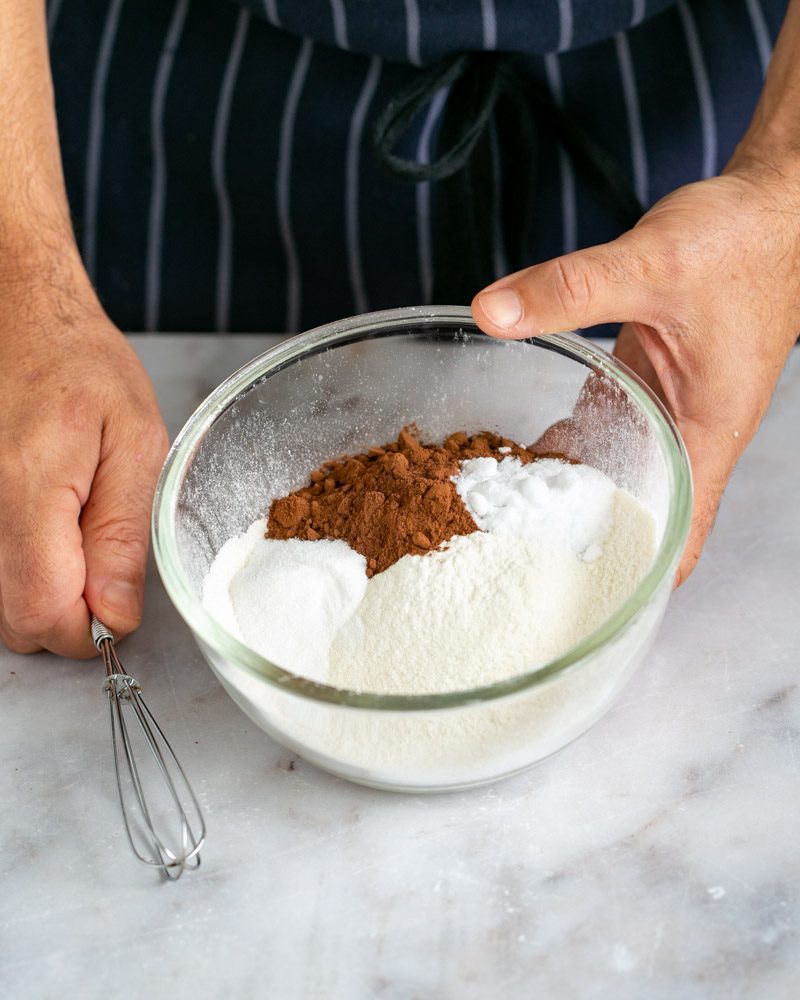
655	857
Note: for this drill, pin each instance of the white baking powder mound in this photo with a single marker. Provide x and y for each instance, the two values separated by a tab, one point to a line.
569	505
285	599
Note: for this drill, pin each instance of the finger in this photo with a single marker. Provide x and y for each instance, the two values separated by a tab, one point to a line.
629	350
713	452
116	520
712	461
16	643
600	403
611	283
42	571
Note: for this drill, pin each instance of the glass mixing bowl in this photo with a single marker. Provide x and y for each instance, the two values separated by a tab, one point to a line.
353	384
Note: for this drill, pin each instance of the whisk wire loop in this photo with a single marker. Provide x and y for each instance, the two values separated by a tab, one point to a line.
124	697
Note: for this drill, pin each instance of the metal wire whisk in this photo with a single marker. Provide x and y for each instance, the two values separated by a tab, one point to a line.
149	839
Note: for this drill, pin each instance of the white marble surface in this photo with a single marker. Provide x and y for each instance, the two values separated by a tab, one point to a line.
656	857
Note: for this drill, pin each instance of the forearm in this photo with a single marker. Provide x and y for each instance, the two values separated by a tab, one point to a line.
36	239
773	138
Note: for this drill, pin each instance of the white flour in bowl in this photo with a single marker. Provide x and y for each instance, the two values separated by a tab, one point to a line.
488	607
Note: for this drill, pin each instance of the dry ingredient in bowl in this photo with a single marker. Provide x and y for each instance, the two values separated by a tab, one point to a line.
285	599
488	607
391	501
569	505
523	557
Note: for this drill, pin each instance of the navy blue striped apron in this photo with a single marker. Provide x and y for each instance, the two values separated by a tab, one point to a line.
220	162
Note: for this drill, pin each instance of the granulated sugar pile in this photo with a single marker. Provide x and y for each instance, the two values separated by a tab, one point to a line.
540	552
285	599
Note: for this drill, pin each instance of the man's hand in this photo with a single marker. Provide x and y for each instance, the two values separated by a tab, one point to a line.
81	444
81	439
707	285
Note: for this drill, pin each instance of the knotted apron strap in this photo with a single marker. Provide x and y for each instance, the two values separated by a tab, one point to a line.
486	161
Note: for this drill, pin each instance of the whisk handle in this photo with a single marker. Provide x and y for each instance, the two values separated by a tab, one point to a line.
100	633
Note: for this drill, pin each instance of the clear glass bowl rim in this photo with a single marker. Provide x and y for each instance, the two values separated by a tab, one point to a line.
363	327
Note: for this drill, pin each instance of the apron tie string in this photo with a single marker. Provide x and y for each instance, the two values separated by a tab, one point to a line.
486	160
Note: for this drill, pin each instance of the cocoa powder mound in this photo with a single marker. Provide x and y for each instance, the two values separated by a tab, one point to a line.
390	501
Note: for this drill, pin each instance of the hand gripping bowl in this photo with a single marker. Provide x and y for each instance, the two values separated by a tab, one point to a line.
348	386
